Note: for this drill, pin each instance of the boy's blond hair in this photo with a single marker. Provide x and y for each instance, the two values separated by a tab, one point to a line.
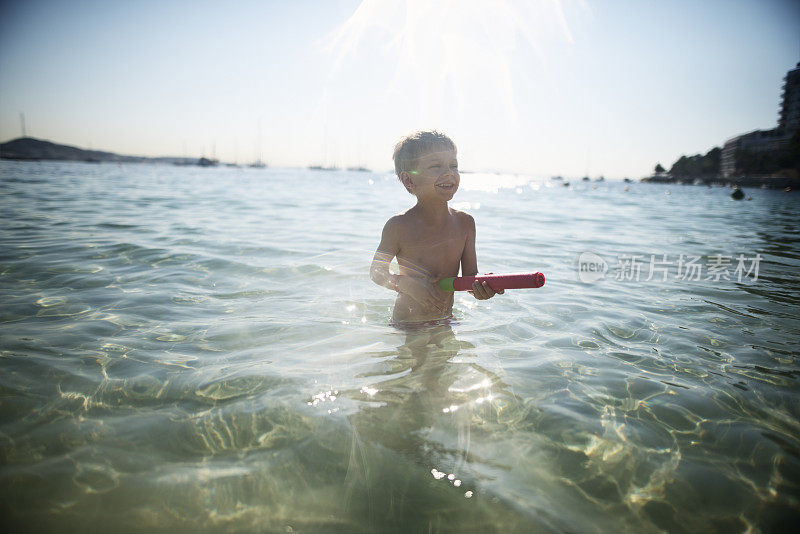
416	144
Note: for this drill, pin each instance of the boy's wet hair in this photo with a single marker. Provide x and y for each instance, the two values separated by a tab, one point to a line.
412	146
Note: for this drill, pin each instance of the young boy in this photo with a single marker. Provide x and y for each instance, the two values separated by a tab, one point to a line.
431	240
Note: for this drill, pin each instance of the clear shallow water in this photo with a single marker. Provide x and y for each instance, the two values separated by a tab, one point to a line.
191	350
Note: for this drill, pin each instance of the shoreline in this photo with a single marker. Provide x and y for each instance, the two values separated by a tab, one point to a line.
756	181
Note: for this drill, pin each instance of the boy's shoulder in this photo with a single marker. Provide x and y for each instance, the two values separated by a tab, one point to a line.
409	216
397	224
463	219
400	219
407	224
462	216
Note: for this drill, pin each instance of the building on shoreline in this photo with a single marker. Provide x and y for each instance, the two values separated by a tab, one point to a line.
790	109
778	138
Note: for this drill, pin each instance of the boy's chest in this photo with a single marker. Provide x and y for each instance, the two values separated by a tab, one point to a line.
438	253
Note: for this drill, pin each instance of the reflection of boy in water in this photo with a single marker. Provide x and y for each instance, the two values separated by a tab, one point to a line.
430	240
420	418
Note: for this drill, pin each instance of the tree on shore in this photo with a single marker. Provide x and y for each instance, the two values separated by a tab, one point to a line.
697	166
659	169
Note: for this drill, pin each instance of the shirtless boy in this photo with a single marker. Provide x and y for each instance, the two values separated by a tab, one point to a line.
430	240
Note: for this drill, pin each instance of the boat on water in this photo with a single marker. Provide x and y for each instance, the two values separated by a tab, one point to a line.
321	168
205	162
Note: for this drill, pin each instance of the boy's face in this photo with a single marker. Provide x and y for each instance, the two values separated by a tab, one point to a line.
435	175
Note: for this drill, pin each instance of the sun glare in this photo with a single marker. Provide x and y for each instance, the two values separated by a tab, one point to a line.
450	56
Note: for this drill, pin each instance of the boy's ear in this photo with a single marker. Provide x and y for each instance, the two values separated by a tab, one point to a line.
405	179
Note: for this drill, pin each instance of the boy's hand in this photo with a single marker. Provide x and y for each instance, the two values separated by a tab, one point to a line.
423	290
483	291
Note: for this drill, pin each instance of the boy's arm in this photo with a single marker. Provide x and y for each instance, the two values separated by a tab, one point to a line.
469	259
387	250
469	264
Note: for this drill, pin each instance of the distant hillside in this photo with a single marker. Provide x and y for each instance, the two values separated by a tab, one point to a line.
28	148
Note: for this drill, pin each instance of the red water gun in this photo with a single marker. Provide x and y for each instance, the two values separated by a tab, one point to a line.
495	281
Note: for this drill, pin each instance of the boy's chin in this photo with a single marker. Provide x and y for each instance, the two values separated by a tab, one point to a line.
438	196
446	193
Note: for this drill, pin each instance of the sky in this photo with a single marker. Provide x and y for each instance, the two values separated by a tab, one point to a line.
540	87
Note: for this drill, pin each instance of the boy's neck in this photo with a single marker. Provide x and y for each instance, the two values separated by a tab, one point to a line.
432	211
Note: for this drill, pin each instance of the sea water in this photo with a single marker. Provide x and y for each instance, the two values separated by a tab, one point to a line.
201	350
